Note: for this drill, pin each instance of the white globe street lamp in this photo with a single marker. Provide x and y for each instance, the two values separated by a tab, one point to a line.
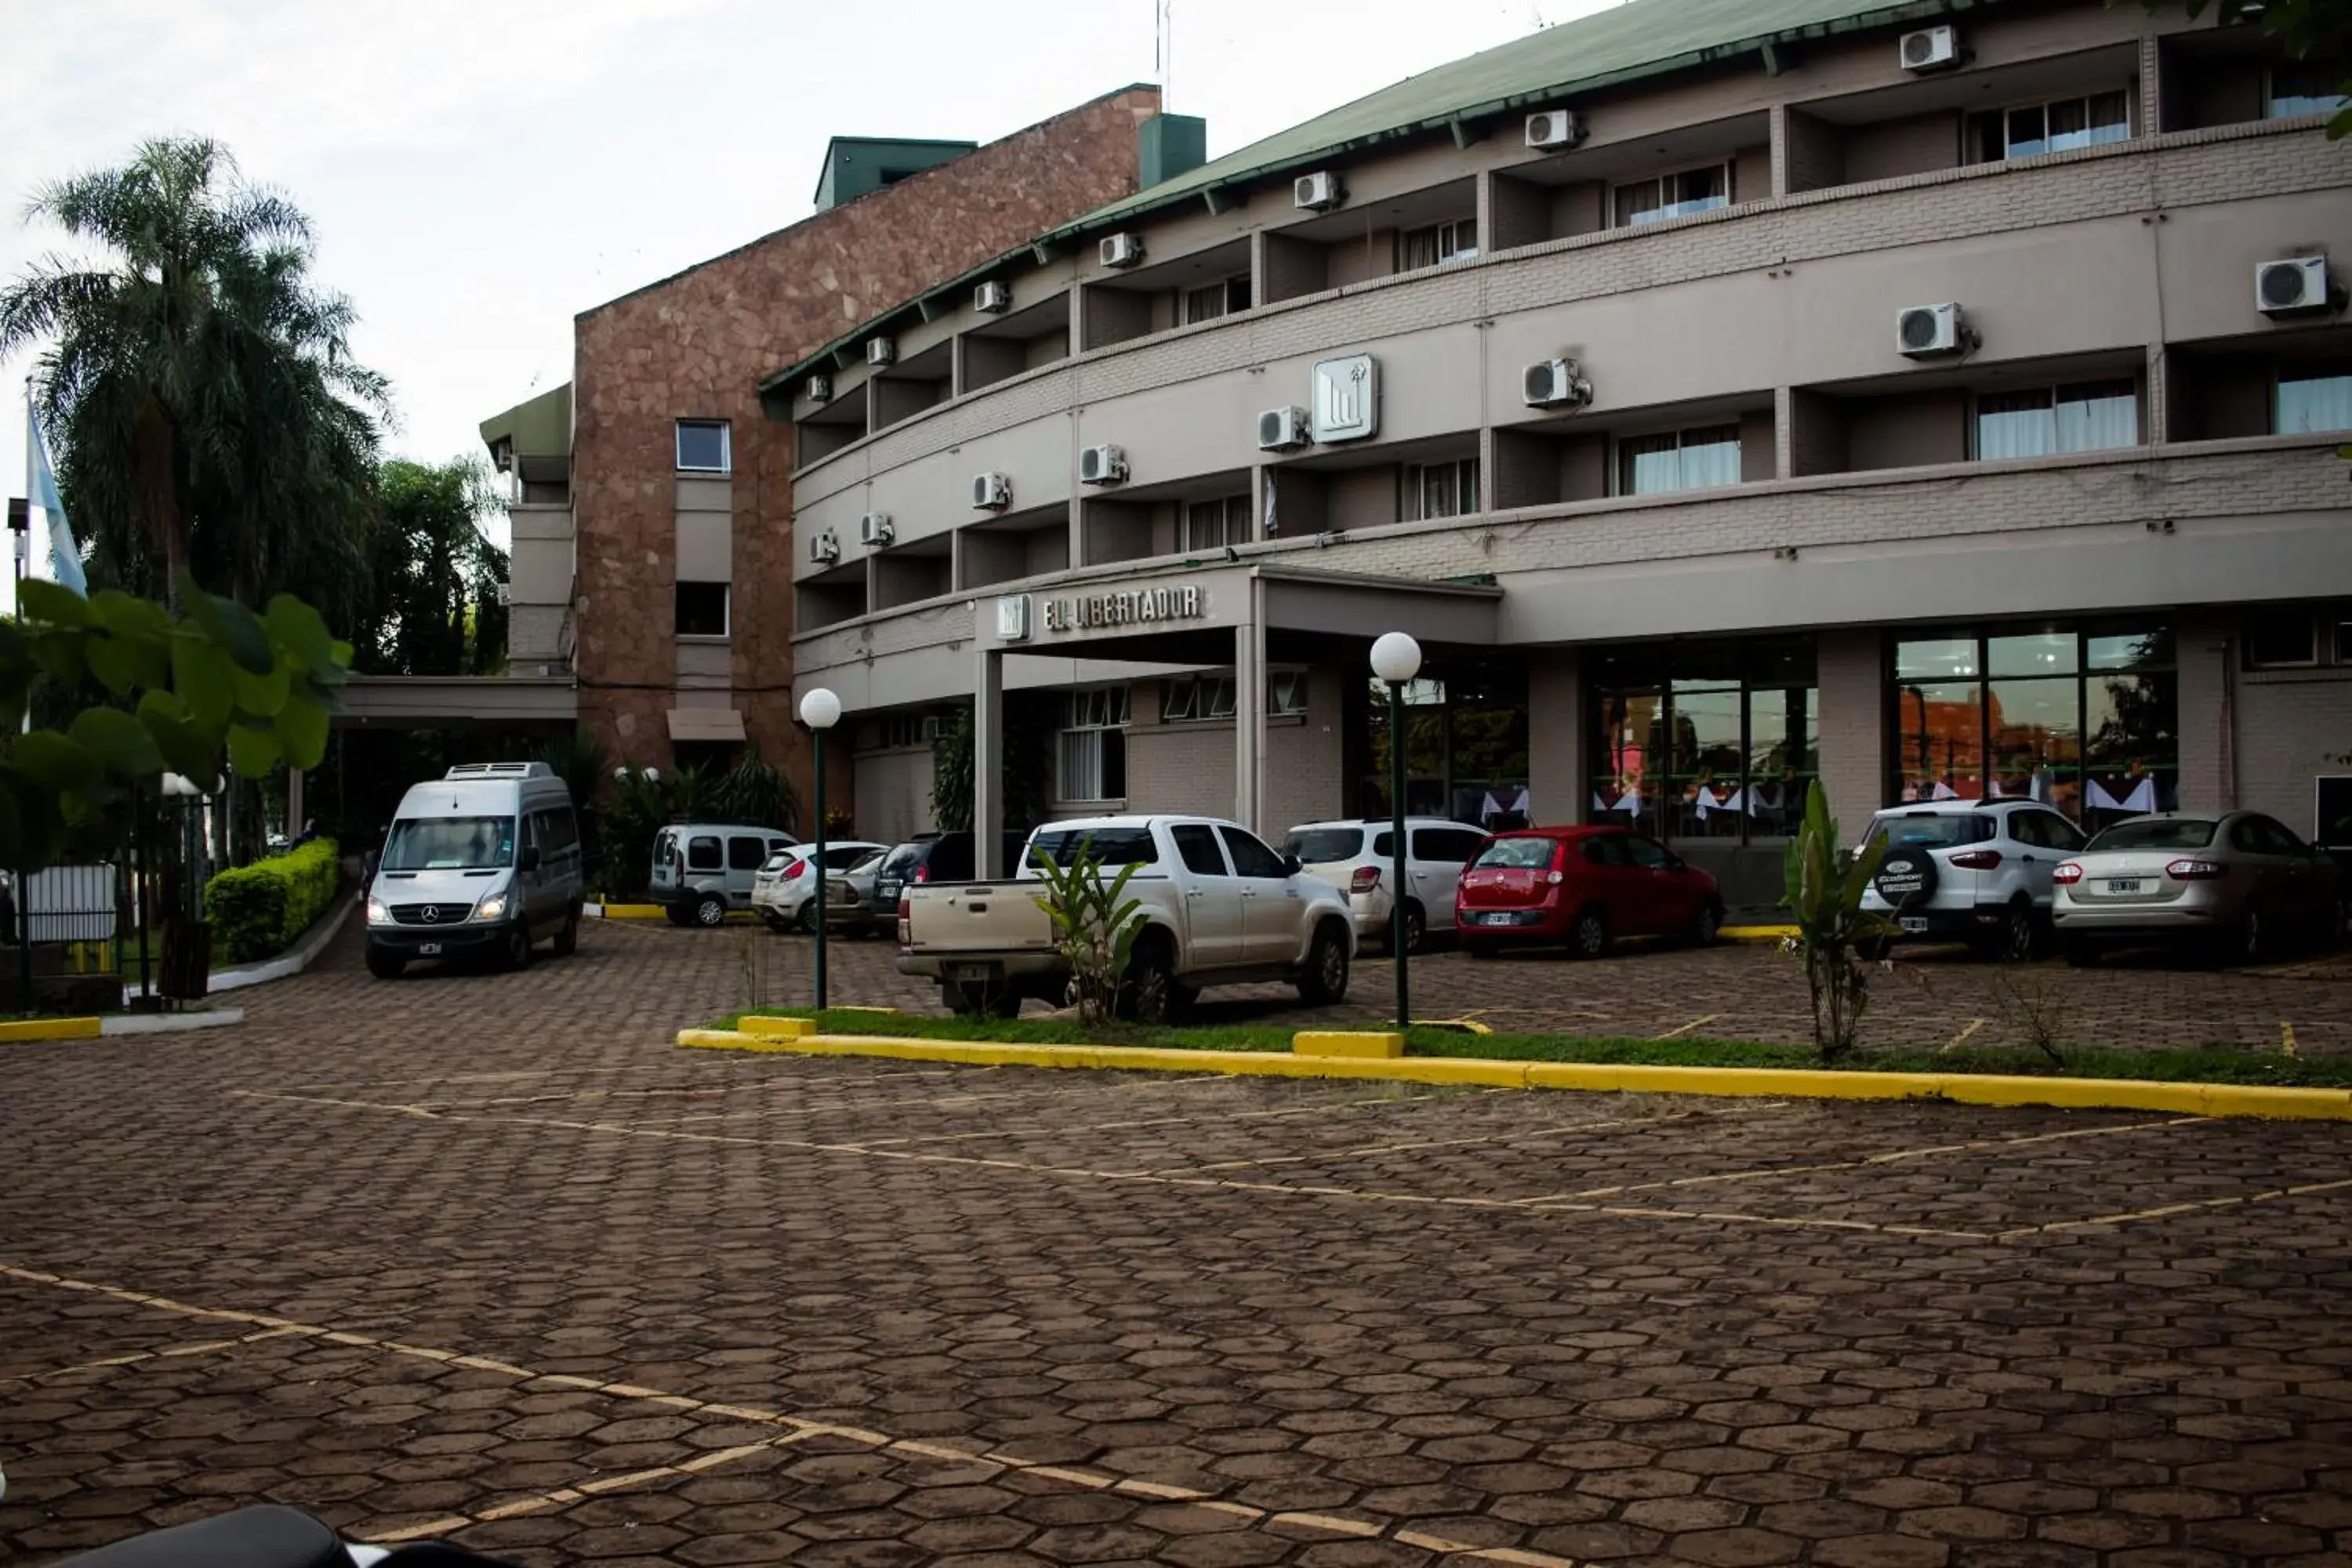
1396	659
820	710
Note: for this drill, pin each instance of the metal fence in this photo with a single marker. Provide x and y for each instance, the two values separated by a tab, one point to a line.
83	912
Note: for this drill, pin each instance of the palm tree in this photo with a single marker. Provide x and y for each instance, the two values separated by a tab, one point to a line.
202	392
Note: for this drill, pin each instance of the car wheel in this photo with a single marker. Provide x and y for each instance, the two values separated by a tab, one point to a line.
1323	979
567	940
2021	932
1707	921
709	911
805	921
1147	994
386	965
680	916
1416	932
516	947
1589	938
775	922
2080	953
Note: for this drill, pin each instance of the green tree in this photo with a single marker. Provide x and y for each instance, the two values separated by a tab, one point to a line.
432	604
209	417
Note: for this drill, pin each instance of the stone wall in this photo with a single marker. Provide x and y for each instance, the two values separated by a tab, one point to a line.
695	345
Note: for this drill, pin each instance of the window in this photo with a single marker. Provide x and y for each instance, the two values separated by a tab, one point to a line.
1678	460
1465	745
1214	524
1441	490
703	853
2304	86
2313	399
703	447
702	610
746	854
1251	858
2291	637
1202	696
1108	846
2085	722
450	843
1704	739
1529	852
2087	417
1196	845
555	831
2044	830
1649	855
897	732
1451	846
1090	752
1323	846
1226	297
2175	833
1673	196
2058	126
1608	849
1439	244
1286	693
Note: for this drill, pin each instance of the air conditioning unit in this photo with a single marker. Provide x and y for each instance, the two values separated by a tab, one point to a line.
2292	285
1931	49
824	547
992	297
1554	129
1924	331
881	351
504	589
991	492
1120	250
930	730
819	388
1317	191
1557	383
874	528
1282	429
1104	464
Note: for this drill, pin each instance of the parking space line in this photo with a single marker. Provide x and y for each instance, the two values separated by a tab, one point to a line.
1960	1039
1519	1135
1043	1130
202	1347
1894	1156
2172	1211
1680	1029
800	1429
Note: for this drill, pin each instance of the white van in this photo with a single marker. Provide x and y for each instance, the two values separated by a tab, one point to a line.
485	861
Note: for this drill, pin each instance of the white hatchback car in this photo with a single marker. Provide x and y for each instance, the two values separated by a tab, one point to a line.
1971	871
1359	857
785	893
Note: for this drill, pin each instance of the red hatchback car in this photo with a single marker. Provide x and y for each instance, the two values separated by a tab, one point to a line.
1582	888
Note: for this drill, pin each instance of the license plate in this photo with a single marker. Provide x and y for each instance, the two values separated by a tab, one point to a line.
428	949
2124	884
971	972
1913	922
1495	919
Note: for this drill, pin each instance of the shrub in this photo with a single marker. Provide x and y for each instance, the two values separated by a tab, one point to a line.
258	910
1824	882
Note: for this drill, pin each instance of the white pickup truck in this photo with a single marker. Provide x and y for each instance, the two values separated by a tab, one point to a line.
1218	908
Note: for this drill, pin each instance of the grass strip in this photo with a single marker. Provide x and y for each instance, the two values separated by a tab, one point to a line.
2206	1064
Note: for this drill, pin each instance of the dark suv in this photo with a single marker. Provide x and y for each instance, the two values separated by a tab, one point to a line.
935	858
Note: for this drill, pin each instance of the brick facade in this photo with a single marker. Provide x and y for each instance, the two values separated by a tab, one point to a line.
695	345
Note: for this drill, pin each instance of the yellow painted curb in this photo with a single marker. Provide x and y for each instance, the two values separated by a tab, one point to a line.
1608	1078
635	912
50	1030
1371	1045
1757	933
776	1029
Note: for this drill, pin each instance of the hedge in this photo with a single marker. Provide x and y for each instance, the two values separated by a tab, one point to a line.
258	910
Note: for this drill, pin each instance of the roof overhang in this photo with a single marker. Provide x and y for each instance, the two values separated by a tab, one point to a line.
538	428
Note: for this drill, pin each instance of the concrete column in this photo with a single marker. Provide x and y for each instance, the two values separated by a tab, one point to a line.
1780	122
2149	111
1853	725
959	379
1249	712
988	763
1784	409
1486	195
294	803
1560	774
2208	720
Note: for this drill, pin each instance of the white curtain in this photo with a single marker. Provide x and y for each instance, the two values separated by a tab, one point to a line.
2318	403
2096	418
1710	458
2015	424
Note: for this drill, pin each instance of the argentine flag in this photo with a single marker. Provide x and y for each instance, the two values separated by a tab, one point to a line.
41	485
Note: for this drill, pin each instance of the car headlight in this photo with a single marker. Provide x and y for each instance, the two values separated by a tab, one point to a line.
492	907
378	914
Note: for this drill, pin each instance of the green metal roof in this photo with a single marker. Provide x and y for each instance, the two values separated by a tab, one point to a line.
1627	43
540	427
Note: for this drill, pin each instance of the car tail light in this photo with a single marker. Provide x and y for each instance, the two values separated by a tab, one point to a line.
922	874
2196	870
906	933
1366	879
2070	873
795	869
1977	860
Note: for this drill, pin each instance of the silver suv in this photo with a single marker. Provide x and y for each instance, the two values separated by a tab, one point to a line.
1971	871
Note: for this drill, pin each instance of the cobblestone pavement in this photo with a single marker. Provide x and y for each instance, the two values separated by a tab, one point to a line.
485	1257
1932	997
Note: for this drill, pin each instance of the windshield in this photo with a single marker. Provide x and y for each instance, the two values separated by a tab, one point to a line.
1321	846
2169	833
1111	845
1528	854
450	843
1933	829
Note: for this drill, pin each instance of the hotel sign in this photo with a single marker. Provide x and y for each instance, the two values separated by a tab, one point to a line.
1128	607
1347	398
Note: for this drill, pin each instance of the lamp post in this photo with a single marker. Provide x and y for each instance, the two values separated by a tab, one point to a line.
1396	659
820	710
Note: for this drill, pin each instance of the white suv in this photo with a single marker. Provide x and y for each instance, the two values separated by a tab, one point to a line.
1360	857
1972	871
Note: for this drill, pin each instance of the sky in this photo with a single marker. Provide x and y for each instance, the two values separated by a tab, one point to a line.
479	171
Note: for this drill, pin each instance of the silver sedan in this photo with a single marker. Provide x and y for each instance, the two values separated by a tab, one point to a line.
2236	882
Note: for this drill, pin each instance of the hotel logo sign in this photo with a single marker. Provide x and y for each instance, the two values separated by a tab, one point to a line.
1133	606
1347	398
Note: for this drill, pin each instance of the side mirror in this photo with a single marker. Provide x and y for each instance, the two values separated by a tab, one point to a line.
1290	864
527	858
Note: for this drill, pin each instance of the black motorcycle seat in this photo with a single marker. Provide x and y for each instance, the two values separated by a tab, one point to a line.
263	1536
